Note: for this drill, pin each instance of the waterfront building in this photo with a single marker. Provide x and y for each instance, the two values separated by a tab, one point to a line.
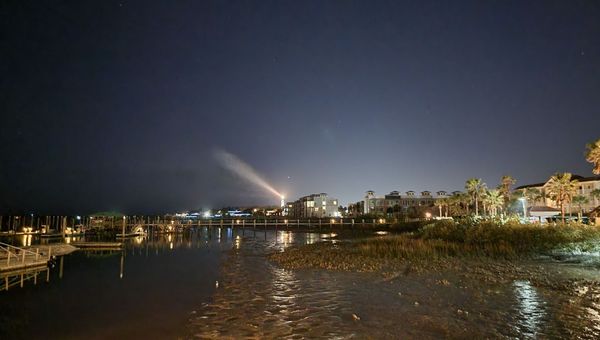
314	206
586	186
394	202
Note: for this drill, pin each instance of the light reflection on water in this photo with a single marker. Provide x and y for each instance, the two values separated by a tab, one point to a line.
145	290
531	308
257	298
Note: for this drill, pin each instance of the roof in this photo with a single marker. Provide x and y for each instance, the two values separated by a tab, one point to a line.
577	177
544	208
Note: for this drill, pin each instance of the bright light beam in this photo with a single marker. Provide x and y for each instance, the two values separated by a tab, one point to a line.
238	167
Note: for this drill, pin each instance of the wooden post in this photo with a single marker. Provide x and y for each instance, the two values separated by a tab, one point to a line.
319	224
124	222
63	226
254	222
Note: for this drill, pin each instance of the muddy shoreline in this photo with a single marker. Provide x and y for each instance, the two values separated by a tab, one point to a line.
272	289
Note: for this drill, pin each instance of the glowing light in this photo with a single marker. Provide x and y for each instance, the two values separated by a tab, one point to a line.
243	170
428	215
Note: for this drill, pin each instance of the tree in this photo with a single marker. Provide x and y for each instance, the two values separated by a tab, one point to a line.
580	200
493	199
593	155
505	183
533	195
561	189
475	187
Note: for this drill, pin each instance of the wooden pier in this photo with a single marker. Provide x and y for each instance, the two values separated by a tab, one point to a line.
15	258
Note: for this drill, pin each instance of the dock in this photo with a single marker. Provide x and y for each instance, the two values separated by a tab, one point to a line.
15	258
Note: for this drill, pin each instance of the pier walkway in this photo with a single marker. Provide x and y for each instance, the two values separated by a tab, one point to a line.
15	258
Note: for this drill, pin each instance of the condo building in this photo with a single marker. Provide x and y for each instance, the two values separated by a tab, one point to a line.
585	187
314	206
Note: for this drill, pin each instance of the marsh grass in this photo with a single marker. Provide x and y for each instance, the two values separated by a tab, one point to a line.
450	239
443	244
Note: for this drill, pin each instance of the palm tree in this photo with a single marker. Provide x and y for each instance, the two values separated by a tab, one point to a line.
475	187
533	195
561	189
593	155
505	183
494	199
580	200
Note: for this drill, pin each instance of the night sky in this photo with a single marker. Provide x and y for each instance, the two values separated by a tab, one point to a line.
119	105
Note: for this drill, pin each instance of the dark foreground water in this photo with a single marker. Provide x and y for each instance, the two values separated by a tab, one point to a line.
146	291
219	284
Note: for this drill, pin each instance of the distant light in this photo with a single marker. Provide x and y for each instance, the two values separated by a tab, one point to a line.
207	214
428	214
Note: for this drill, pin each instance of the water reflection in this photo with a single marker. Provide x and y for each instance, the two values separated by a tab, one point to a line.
531	311
168	276
26	240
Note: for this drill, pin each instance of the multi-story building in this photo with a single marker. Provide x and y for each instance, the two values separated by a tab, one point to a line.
393	201
315	205
585	187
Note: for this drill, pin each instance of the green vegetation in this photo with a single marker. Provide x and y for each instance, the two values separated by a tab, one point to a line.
561	189
444	242
592	155
487	239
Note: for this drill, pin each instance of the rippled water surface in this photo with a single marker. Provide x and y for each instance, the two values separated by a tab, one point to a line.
220	284
256	298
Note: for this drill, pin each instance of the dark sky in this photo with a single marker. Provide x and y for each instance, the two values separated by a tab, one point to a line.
120	104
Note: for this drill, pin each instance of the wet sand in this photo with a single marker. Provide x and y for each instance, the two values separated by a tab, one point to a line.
258	298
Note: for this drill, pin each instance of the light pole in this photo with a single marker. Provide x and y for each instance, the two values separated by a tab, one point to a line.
523	201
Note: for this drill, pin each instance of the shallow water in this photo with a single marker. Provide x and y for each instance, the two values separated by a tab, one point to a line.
220	284
256	298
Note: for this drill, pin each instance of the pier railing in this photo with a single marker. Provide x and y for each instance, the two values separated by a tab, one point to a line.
11	255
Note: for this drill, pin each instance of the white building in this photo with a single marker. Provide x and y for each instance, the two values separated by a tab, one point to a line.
586	186
314	206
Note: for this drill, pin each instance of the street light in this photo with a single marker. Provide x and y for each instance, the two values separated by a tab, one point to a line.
523	201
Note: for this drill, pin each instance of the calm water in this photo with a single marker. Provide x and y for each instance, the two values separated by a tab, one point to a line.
220	284
146	291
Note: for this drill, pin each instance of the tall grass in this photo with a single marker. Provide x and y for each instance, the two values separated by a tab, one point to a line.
448	238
